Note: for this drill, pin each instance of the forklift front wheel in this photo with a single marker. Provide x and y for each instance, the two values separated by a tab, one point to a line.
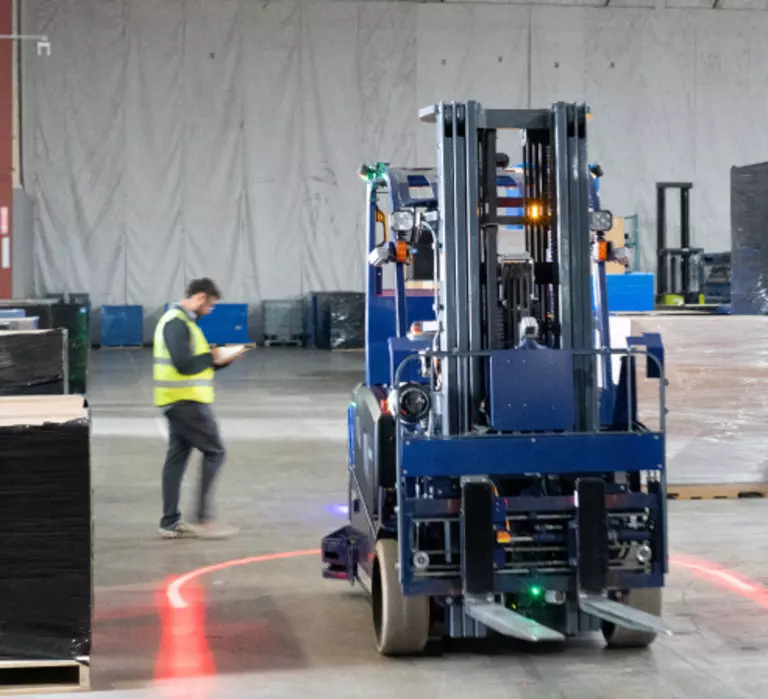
645	599
401	623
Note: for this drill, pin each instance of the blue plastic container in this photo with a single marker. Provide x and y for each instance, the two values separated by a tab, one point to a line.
12	313
630	293
226	324
122	326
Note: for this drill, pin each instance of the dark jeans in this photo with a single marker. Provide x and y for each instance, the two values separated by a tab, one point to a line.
190	426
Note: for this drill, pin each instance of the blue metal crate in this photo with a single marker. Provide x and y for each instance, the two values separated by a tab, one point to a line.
226	324
122	326
630	293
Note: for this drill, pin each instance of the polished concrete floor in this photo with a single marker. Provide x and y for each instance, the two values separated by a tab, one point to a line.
275	628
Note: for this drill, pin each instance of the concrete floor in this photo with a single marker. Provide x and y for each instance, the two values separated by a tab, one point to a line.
276	629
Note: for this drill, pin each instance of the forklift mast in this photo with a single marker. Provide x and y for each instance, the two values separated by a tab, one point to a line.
555	202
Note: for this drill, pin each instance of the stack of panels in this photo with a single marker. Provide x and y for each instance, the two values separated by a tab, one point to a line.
72	316
45	528
749	239
33	362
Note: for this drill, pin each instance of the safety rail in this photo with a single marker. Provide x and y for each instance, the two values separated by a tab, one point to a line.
419	507
631	352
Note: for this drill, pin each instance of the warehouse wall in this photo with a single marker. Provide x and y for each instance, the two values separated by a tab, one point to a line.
166	139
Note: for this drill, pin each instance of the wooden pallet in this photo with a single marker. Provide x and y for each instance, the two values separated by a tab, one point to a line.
48	676
717	491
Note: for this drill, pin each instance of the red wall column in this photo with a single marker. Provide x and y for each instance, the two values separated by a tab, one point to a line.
6	148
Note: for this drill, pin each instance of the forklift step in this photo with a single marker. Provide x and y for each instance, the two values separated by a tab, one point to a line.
509	623
339	554
622	615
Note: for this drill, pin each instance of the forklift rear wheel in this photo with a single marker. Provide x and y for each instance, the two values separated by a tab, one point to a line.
645	599
401	623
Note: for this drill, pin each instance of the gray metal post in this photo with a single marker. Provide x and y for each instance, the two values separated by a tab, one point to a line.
459	234
490	238
445	242
475	300
562	216
583	320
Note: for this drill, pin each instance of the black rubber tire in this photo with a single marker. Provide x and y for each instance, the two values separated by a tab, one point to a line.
401	624
646	599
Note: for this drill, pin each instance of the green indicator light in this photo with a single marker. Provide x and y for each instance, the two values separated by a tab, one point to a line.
536	591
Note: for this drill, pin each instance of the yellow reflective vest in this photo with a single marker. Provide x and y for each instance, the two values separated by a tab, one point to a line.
170	385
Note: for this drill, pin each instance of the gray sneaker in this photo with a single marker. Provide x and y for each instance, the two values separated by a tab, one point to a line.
176	531
213	530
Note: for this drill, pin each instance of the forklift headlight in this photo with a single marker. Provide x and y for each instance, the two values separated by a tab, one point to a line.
402	221
600	221
412	402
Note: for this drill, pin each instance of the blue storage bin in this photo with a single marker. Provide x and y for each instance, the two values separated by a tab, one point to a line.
122	326
630	293
226	324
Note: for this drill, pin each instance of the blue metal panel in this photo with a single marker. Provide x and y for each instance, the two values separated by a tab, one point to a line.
630	293
351	411
506	181
532	390
541	454
122	326
226	324
652	342
399	349
380	326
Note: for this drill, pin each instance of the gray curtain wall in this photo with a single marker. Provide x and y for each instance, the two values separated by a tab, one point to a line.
167	139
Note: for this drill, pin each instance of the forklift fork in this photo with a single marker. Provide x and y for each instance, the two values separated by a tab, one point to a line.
592	571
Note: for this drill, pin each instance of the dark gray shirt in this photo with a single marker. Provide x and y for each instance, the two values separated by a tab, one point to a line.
179	343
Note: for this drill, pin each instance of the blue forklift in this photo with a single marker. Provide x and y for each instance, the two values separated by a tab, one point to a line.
501	480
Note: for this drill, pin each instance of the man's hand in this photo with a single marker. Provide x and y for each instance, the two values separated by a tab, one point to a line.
217	358
222	356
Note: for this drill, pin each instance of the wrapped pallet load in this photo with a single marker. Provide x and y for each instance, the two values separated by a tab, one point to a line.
33	362
74	316
45	532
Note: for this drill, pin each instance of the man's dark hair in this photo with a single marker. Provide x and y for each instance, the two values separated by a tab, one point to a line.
205	286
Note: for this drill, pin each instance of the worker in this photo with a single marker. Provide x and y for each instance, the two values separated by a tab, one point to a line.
184	365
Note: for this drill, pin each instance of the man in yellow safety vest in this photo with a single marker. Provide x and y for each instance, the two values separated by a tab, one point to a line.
184	364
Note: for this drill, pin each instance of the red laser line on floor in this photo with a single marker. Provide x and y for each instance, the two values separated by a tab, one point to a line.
185	651
173	591
725	578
